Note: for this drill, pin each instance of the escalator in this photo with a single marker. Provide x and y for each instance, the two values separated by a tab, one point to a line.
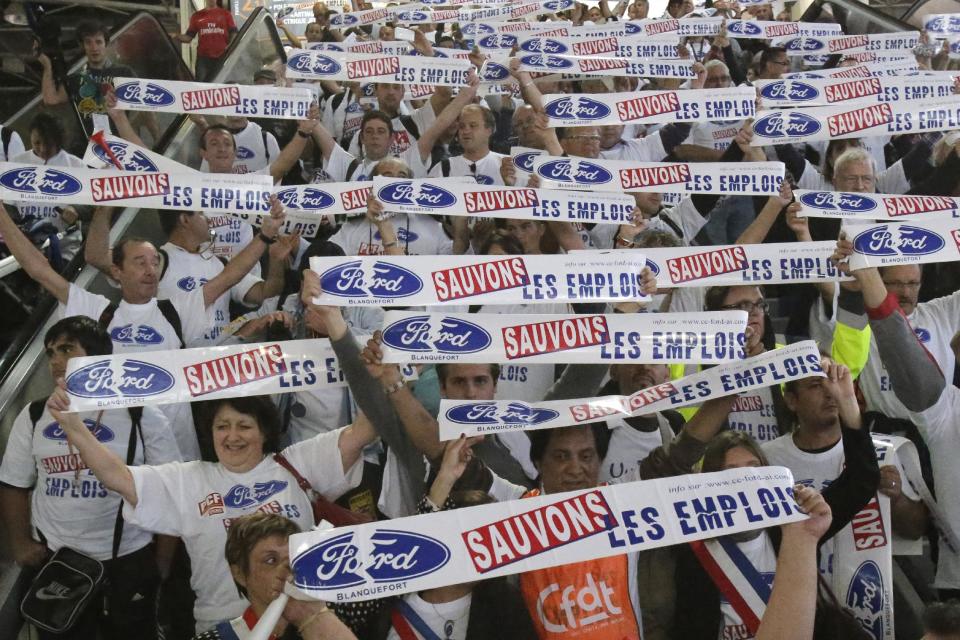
143	45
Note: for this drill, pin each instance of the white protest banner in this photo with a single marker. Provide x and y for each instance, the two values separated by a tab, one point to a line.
371	67
942	25
685	27
410	554
520	9
855	121
713	337
308	225
860	71
392	47
874	57
875	206
749	264
614	46
445	196
104	149
480	29
586	276
761	29
829	45
596	66
486	13
248	100
419	16
359	18
184	375
744	178
648	107
891	243
477	418
210	192
822	92
322	198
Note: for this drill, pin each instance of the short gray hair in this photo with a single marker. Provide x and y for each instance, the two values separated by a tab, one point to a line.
854	154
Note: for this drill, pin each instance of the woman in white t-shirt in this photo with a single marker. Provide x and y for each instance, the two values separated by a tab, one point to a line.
197	501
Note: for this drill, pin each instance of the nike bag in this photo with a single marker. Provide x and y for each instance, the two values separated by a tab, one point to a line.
62	591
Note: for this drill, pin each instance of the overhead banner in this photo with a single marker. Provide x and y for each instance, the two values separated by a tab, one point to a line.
371	67
713	337
446	280
104	148
685	27
942	25
829	45
649	107
208	192
872	56
324	198
778	366
596	66
867	70
822	92
360	18
855	121
247	100
406	555
875	206
742	178
448	196
891	243
614	46
480	29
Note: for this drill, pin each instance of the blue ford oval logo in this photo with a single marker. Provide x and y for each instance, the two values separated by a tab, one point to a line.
525	160
631	28
543	45
577	108
394	556
865	597
742	27
493	71
890	241
475	29
804	44
829	200
426	195
135	334
557	5
131	160
102	433
790	124
587	172
313	63
189	283
516	413
550	62
344	20
413	16
134	379
498	41
241	496
147	94
40	180
350	280
244	153
305	199
653	266
453	335
791	90
922	335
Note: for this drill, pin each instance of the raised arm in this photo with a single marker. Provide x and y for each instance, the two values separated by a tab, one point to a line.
32	261
119	117
447	117
96	251
757	232
51	93
280	252
105	464
294	149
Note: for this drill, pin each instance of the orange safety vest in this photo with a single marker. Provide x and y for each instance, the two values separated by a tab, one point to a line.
587	600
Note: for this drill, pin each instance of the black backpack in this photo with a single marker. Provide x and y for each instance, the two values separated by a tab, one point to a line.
166	308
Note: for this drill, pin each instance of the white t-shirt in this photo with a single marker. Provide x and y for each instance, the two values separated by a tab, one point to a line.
69	506
197	501
186	271
759	551
404	138
628	446
647	149
486	170
233	234
30	213
685	216
256	149
935	323
418	234
318	411
448	620
713	135
136	328
14	148
345	119
753	412
337	167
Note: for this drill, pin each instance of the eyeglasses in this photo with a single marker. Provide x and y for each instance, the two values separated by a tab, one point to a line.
748	305
902	285
782	63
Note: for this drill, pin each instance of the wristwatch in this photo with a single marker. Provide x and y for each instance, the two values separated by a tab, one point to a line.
265	239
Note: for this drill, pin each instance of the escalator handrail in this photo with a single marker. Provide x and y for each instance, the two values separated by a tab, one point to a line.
855	7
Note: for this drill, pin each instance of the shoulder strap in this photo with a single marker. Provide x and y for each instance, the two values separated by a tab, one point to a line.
410	125
135	414
670	223
170	314
337	100
106	316
6	134
266	149
445	167
36	410
352	169
166	262
301	481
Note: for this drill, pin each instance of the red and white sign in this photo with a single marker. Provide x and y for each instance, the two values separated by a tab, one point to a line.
247	100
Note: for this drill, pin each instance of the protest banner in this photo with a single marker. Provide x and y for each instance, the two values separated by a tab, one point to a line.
433	550
360	18
419	16
614	46
829	45
587	276
823	92
247	100
607	66
418	337
481	417
875	206
209	192
523	158
744	178
855	121
323	198
942	25
480	29
392	47
874	57
105	150
685	27
310	64
449	196
649	107
866	70
891	243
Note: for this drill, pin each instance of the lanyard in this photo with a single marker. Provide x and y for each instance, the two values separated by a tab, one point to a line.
403	616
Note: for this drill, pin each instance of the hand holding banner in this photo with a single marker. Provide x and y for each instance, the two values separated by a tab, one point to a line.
411	554
371	67
830	45
880	245
596	66
247	100
875	206
828	91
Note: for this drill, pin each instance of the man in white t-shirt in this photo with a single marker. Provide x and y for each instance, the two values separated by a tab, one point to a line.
475	126
50	500
255	148
139	322
407	129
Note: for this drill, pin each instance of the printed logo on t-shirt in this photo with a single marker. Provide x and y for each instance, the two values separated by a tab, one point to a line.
482	179
922	335
241	496
563	609
401	142
212	505
102	433
244	153
190	283
403	235
141	334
